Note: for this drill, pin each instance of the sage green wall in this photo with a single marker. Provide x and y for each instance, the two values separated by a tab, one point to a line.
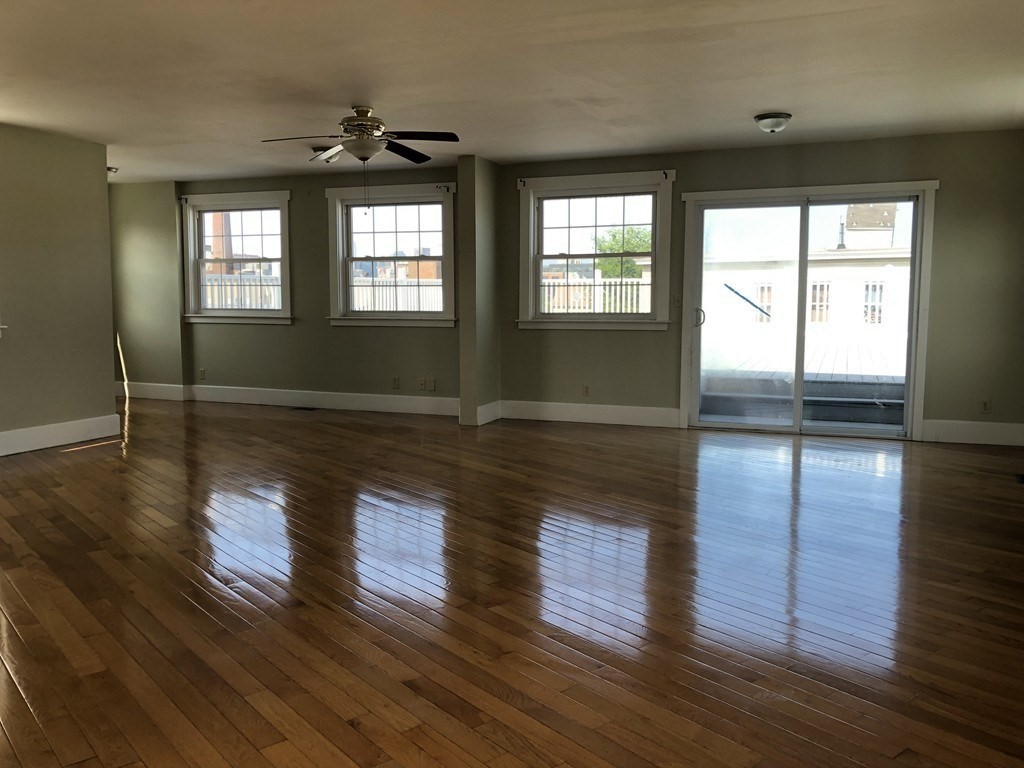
147	290
310	354
479	340
977	315
56	361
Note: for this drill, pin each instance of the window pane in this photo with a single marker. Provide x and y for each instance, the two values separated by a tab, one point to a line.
431	270
581	240
384	244
556	240
581	270
271	222
638	239
639	209
252	247
430	217
554	270
431	244
362	245
555	213
360	219
553	289
609	210
384	218
272	246
252	223
408	244
407	218
582	211
609	239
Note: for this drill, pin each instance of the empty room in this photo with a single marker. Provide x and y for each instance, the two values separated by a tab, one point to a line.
487	385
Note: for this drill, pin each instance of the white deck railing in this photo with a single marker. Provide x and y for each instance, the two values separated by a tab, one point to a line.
241	292
629	296
390	295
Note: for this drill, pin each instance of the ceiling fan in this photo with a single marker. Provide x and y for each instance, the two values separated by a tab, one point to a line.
364	136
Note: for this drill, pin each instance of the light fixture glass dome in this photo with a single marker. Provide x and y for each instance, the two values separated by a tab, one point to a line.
363	147
772	122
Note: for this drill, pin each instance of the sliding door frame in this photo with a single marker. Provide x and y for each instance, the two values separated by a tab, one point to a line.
697	202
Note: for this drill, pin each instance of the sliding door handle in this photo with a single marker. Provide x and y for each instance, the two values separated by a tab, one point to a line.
701	317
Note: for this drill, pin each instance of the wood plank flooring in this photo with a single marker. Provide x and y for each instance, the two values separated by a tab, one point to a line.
245	586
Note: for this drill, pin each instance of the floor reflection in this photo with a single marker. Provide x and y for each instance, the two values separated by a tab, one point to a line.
399	550
593	576
251	528
814	565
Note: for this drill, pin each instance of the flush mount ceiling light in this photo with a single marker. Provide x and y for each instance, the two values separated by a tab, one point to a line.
772	122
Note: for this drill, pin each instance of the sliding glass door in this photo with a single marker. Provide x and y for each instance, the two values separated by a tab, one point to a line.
857	322
749	323
804	314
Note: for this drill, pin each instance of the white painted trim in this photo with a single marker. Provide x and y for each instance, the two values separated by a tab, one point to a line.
696	202
63	433
147	391
531	190
977	432
631	415
339	199
342	401
836	191
920	299
485	414
191	207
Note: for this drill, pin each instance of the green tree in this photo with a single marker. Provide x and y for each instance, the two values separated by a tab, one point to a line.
637	240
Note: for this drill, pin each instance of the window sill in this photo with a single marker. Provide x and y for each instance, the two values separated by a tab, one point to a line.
593	325
238	319
397	322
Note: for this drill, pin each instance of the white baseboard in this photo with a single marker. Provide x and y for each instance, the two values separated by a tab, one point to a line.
978	432
632	415
485	414
63	433
343	401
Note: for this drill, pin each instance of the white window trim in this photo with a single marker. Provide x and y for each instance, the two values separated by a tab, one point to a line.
532	190
191	207
924	190
340	197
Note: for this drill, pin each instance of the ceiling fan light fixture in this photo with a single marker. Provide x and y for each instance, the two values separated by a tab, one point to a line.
772	122
363	147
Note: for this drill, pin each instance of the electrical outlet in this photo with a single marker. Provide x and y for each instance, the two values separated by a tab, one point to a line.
395	382
431	385
986	406
421	383
586	390
202	374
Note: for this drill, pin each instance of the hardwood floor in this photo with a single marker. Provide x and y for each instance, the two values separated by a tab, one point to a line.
244	586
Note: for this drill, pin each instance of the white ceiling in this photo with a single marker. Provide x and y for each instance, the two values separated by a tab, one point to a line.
187	89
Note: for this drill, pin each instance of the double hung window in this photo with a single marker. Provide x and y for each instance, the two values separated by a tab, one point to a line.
392	260
236	251
595	250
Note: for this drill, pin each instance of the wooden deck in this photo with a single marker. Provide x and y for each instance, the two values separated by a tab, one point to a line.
245	586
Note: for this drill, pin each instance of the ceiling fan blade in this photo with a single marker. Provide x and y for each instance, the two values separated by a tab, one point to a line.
407	152
424	135
328	153
293	138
